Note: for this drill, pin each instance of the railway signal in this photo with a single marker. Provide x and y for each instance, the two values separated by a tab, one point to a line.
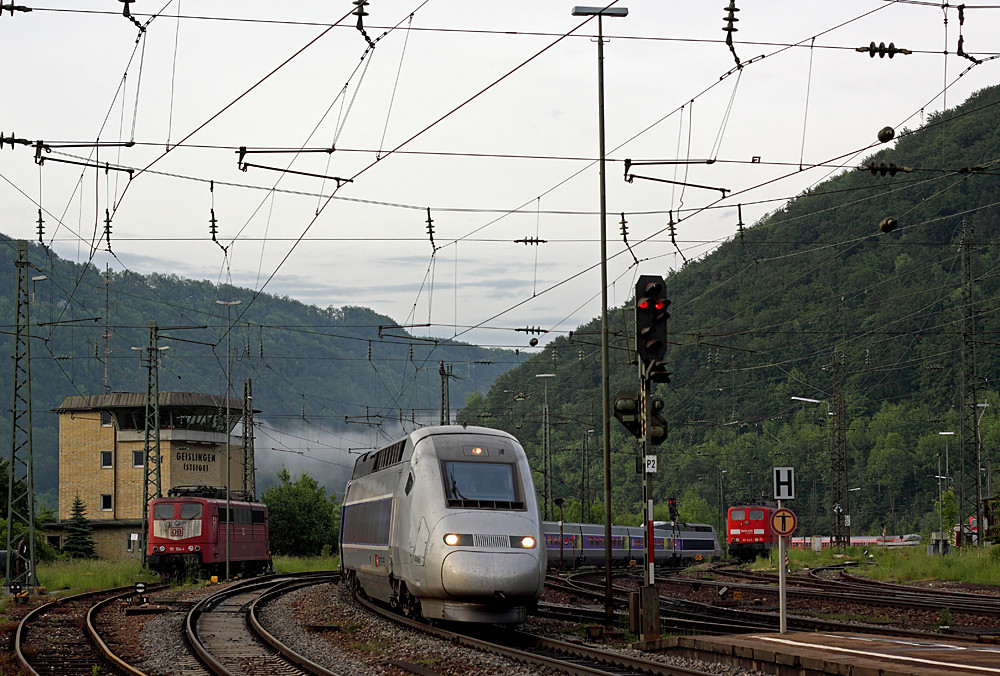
651	327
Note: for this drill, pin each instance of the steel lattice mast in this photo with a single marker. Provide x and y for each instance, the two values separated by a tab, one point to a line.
970	498
20	569
249	469
838	460
151	434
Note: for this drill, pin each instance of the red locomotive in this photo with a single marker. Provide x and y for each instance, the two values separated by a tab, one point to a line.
748	531
187	534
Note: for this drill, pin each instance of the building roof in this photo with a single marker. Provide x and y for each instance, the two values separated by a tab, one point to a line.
103	402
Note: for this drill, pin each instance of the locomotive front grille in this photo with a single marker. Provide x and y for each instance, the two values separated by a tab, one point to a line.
491	540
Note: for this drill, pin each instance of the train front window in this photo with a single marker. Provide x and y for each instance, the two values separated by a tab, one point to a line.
191	511
481	485
163	510
737	515
756	514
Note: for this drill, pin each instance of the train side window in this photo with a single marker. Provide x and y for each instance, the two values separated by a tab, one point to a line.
409	484
191	511
756	514
737	515
259	516
163	510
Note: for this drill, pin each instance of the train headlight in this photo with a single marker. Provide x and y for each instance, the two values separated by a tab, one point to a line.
528	542
452	539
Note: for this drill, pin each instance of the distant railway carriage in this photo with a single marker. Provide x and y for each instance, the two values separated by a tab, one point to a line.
444	524
583	544
188	534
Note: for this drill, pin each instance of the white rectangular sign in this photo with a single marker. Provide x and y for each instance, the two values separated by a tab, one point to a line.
650	464
784	483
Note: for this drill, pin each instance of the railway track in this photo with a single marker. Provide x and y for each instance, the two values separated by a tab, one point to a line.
857	589
681	616
225	633
59	637
540	652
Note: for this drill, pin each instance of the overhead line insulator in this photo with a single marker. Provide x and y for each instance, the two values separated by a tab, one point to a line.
882	50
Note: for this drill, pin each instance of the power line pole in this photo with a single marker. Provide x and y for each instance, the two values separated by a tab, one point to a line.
151	433
838	460
970	484
20	569
249	468
446	375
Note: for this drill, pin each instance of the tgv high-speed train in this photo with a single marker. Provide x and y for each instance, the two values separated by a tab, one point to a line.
444	523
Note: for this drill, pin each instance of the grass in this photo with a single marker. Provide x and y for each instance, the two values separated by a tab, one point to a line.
976	565
304	564
82	574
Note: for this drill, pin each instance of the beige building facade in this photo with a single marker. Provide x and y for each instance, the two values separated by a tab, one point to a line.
102	443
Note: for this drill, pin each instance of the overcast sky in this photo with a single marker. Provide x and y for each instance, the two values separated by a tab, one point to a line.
486	113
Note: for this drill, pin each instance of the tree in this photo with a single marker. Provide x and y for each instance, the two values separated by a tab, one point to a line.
79	542
302	518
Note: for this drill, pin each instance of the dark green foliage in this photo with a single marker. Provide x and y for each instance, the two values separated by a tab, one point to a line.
79	541
303	520
759	321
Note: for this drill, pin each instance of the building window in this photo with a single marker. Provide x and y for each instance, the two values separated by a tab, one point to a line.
105	502
54	541
137	457
106	418
105	459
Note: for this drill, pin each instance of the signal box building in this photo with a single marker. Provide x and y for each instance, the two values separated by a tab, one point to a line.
101	453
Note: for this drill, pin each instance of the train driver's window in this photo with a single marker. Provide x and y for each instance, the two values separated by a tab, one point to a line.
484	481
191	511
756	514
737	515
163	510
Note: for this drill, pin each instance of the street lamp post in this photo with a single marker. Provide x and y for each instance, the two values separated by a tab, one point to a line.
546	450
225	426
601	12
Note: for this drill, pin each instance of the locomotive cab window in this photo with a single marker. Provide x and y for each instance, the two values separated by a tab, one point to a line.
756	514
737	515
163	510
482	485
191	511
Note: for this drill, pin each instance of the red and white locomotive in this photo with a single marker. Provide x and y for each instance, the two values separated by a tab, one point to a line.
748	531
188	533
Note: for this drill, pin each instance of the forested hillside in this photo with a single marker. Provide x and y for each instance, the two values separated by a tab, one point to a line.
311	368
815	291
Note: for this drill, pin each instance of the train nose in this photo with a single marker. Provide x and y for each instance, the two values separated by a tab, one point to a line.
491	574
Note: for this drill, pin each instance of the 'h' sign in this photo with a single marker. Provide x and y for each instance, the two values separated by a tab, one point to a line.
784	483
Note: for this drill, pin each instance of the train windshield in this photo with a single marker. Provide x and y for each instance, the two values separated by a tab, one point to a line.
165	511
481	485
737	515
756	514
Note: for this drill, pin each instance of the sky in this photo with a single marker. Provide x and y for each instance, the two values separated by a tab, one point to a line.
484	113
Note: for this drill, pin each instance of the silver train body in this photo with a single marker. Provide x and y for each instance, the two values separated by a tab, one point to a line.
582	544
444	524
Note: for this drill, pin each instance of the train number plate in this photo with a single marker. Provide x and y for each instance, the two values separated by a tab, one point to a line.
176	532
